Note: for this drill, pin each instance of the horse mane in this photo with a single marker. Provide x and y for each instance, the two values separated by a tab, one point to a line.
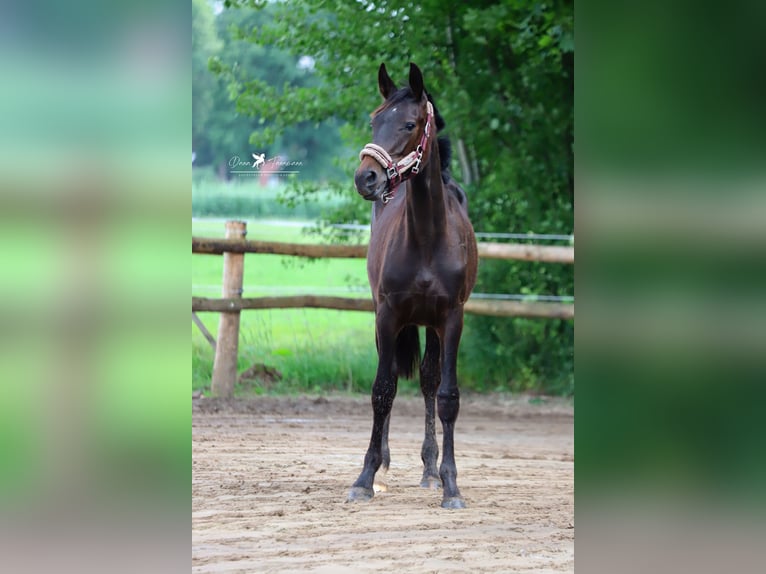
445	155
445	145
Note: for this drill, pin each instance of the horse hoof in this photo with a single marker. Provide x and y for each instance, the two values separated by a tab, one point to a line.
380	487
360	494
431	482
453	502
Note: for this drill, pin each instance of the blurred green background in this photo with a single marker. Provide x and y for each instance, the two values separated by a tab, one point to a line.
672	319
94	212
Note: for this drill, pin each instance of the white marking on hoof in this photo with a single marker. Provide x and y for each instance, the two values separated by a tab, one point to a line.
379	485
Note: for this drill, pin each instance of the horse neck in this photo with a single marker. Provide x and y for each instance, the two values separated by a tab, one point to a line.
426	208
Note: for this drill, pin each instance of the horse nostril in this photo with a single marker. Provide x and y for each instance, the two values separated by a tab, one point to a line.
370	177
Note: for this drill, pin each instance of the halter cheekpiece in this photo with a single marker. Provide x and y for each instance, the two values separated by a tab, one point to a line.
404	169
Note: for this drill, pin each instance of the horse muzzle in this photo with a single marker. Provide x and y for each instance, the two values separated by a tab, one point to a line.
370	181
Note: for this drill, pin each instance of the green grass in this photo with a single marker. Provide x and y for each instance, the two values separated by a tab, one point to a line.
316	350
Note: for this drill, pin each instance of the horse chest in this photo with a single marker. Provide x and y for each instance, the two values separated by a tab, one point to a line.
421	292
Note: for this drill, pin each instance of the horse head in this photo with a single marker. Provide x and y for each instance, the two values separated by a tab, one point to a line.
403	132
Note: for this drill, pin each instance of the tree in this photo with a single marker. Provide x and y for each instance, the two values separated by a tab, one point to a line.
205	43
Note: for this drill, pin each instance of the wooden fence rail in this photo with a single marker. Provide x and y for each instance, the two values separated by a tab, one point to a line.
519	251
532	309
231	304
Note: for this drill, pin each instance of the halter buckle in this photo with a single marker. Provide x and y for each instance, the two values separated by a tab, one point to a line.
418	158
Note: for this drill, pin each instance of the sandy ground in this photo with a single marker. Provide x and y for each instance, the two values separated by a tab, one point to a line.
270	478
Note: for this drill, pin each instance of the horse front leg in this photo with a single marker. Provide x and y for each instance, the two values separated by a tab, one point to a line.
448	399
383	394
430	375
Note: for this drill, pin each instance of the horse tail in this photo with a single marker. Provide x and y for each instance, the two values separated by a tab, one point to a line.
408	351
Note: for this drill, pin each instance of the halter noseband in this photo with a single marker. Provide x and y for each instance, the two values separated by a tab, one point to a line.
404	169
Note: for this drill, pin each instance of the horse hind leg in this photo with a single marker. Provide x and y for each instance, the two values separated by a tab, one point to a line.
429	381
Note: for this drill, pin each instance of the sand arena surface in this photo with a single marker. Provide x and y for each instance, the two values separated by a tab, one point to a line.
270	478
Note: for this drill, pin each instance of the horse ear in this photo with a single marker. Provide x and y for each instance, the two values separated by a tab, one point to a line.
385	83
416	81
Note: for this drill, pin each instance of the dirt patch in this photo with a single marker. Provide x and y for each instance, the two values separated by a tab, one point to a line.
270	478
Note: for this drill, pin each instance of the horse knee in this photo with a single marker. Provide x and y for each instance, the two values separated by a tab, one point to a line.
448	405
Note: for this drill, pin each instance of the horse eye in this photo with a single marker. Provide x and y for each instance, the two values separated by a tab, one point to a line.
410	126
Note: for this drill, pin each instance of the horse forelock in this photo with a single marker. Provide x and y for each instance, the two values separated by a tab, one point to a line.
396	98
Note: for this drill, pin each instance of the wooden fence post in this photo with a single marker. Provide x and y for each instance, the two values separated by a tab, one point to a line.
225	366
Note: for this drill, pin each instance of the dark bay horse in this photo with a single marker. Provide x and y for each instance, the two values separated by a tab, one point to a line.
421	264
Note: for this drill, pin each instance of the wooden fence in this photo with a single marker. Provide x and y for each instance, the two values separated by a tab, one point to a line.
234	247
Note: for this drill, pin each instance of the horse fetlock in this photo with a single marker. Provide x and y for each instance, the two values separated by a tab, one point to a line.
448	472
449	482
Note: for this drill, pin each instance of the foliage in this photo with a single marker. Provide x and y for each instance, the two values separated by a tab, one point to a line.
229	70
502	74
205	43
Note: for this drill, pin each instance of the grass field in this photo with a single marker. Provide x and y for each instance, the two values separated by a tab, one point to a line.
212	197
315	349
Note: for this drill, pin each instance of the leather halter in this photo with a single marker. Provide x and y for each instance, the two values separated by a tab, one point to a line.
407	167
